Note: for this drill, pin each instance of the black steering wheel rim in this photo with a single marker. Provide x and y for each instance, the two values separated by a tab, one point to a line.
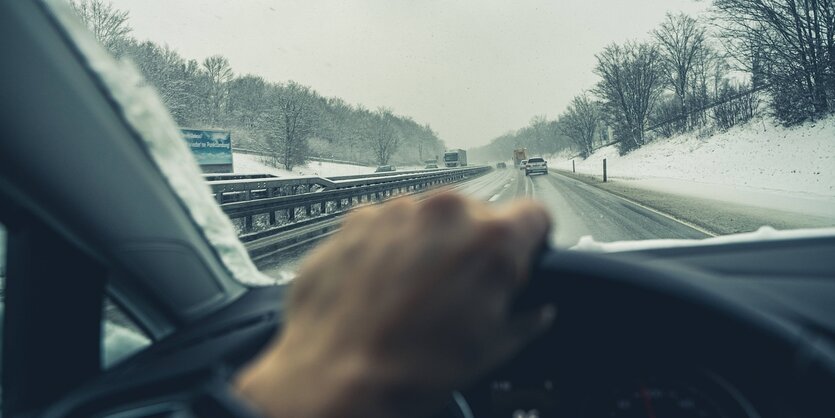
600	297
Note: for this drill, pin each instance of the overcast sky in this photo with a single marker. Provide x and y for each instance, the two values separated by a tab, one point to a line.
472	69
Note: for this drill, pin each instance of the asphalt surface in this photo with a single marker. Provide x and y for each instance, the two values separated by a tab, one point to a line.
718	216
578	210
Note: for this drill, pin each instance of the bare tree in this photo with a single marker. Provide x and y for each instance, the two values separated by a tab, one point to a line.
108	24
290	122
681	41
385	139
787	44
218	75
580	122
631	82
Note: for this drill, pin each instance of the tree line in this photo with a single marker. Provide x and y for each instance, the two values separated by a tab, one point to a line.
706	75
287	120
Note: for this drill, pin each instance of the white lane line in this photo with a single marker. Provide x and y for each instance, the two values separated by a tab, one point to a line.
655	211
666	215
532	188
495	197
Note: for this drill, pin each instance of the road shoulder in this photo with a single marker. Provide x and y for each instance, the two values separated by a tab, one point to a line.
716	216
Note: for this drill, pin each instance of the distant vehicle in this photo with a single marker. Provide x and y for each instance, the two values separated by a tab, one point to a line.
536	165
519	156
384	169
455	158
522	164
501	165
431	165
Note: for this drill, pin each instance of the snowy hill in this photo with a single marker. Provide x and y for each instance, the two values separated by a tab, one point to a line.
759	155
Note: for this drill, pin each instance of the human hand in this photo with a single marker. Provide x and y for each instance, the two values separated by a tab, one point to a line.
407	302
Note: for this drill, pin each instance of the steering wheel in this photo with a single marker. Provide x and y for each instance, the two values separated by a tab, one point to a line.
647	309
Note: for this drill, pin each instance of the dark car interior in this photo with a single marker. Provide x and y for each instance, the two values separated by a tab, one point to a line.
730	330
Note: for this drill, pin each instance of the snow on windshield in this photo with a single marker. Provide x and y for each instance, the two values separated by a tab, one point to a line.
146	114
766	233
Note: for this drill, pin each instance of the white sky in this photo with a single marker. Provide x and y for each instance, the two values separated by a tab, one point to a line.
472	69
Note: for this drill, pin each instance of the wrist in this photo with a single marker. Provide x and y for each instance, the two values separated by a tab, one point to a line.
290	382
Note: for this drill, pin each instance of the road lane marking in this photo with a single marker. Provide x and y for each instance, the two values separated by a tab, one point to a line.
532	188
495	197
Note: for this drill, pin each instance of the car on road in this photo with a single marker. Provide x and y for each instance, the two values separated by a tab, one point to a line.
536	165
522	164
501	165
126	291
384	169
430	166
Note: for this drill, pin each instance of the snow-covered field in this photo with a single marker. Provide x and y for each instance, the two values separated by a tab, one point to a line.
760	155
760	164
253	164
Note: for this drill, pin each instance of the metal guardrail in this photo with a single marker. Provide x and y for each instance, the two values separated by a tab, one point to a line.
270	199
232	189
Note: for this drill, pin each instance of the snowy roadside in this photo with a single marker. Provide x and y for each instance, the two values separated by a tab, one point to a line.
717	215
254	164
797	161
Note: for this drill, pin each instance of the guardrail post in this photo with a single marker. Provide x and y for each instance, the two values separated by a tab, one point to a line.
604	170
219	197
291	214
272	217
339	204
572	167
248	223
308	210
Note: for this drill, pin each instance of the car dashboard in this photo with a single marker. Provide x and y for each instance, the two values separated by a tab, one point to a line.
610	363
659	368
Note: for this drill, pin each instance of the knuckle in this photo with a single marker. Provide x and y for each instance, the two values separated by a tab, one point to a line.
495	231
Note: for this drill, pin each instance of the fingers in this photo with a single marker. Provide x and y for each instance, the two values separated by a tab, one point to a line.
528	224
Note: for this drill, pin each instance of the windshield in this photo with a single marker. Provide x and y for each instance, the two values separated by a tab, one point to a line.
672	119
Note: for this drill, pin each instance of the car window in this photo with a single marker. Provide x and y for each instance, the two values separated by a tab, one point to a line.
716	144
121	336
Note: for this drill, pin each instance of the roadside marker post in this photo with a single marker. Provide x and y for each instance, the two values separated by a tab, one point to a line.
572	167
604	170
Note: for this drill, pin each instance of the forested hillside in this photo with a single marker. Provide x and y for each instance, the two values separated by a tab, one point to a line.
702	75
287	119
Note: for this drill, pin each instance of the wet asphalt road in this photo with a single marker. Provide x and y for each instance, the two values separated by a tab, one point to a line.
578	210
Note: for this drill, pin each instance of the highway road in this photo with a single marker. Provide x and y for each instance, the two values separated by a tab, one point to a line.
577	208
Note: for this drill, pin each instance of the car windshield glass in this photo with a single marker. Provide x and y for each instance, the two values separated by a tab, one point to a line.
286	103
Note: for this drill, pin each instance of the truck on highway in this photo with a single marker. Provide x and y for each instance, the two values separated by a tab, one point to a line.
455	158
519	155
